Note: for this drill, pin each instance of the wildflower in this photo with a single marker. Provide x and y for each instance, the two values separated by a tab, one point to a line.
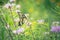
46	33
14	31
18	11
55	28
18	6
12	1
55	22
8	5
41	21
20	30
13	4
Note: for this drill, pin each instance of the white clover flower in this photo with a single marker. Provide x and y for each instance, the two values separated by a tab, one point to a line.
17	20
55	22
8	5
13	4
12	0
46	33
14	31
40	21
18	11
18	6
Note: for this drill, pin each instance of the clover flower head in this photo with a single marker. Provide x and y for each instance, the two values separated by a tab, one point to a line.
18	11
13	4
55	22
18	31
55	28
46	33
14	31
8	5
12	1
18	6
40	21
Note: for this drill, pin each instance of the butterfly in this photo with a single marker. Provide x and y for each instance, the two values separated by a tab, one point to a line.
21	22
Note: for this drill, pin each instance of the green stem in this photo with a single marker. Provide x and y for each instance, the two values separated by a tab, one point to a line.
12	18
32	33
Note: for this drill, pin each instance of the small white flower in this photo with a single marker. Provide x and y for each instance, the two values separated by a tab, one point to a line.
55	22
8	5
46	33
18	31
18	6
14	31
12	0
13	4
18	11
41	21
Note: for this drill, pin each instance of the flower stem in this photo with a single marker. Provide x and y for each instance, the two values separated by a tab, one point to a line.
12	18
